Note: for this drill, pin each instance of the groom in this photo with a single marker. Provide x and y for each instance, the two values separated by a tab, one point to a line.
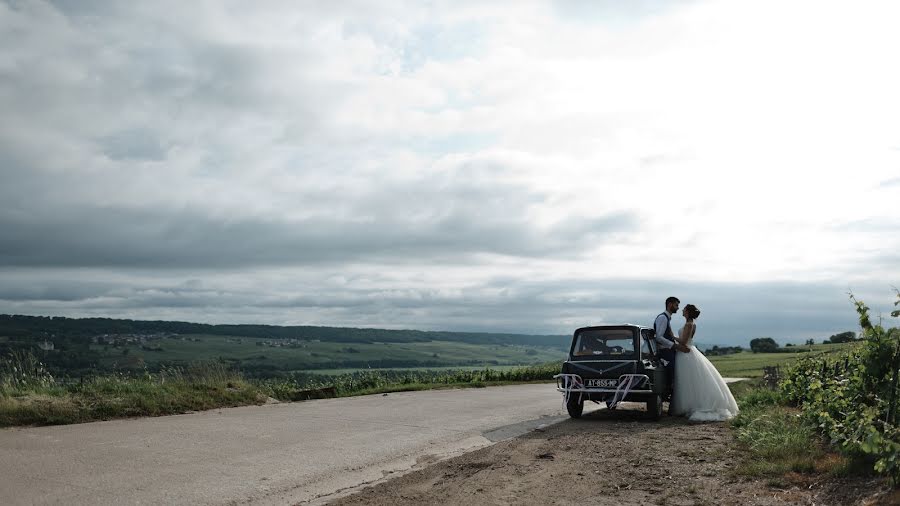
667	343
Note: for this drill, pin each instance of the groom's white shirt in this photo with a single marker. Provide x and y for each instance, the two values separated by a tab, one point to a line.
660	326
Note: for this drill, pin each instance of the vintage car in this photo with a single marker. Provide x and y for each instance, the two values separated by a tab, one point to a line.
612	364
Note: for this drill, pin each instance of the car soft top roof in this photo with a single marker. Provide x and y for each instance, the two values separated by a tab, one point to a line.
613	326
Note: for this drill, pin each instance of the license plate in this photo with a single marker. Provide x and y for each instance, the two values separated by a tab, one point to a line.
602	382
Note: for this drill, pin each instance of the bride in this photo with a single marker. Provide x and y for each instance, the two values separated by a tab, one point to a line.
700	392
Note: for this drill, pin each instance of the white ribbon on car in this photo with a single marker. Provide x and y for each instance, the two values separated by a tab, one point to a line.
600	371
629	382
570	381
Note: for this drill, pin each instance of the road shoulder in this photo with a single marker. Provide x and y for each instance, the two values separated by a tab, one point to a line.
606	458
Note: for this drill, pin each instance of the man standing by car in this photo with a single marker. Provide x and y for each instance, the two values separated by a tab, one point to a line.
666	342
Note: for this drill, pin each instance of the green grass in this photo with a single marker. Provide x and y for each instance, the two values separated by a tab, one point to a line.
774	441
202	386
29	395
750	365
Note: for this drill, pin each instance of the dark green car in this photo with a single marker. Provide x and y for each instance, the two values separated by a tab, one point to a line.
612	364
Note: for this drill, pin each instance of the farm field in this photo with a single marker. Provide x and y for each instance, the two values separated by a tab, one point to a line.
335	372
750	365
342	358
256	354
744	365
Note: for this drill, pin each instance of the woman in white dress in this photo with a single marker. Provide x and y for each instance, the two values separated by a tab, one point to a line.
700	392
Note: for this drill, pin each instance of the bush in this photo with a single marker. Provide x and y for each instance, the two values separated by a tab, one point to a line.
843	337
763	345
852	398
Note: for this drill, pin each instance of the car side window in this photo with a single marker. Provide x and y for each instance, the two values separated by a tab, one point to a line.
646	339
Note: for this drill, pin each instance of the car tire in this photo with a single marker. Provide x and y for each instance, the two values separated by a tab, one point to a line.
655	407
575	405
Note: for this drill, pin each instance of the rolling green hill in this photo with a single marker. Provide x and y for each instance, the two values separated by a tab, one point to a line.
42	326
96	345
87	345
255	354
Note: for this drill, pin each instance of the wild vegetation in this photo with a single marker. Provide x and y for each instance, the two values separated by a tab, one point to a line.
30	395
852	398
776	441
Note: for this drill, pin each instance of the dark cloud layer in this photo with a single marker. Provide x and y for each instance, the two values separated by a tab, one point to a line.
733	313
120	237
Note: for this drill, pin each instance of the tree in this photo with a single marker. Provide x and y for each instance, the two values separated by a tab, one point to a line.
763	345
843	337
810	341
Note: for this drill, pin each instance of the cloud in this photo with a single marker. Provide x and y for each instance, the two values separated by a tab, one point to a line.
470	221
459	165
890	183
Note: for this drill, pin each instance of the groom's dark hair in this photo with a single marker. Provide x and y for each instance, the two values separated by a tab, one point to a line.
672	299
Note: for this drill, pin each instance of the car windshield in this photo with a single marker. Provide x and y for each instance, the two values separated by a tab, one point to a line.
611	343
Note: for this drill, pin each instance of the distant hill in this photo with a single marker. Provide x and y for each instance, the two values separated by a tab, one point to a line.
83	346
42	327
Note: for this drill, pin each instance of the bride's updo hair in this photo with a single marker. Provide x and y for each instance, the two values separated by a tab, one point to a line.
692	311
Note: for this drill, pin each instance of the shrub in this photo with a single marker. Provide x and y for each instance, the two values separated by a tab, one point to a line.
852	398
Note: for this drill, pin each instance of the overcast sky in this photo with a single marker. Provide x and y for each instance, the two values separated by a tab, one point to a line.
508	166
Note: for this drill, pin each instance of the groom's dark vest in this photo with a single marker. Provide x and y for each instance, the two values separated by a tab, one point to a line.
667	353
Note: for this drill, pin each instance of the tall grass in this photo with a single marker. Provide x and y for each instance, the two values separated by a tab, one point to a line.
776	440
30	395
22	370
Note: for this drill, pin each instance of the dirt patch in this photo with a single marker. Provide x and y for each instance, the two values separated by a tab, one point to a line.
610	458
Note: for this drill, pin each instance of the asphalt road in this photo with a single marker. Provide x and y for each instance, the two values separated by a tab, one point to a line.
272	454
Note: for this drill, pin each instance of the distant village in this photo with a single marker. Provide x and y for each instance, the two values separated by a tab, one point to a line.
144	339
286	343
141	339
124	339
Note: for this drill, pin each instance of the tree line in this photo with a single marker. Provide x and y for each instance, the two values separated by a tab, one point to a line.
768	345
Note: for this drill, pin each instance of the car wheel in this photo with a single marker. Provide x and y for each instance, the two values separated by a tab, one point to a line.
655	407
575	405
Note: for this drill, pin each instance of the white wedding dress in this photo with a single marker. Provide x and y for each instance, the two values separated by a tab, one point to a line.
700	392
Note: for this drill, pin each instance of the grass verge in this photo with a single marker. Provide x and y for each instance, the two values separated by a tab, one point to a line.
31	396
201	386
776	444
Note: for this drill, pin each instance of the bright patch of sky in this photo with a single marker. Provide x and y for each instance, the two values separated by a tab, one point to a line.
509	166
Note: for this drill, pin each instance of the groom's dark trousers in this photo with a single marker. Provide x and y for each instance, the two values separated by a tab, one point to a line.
669	356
